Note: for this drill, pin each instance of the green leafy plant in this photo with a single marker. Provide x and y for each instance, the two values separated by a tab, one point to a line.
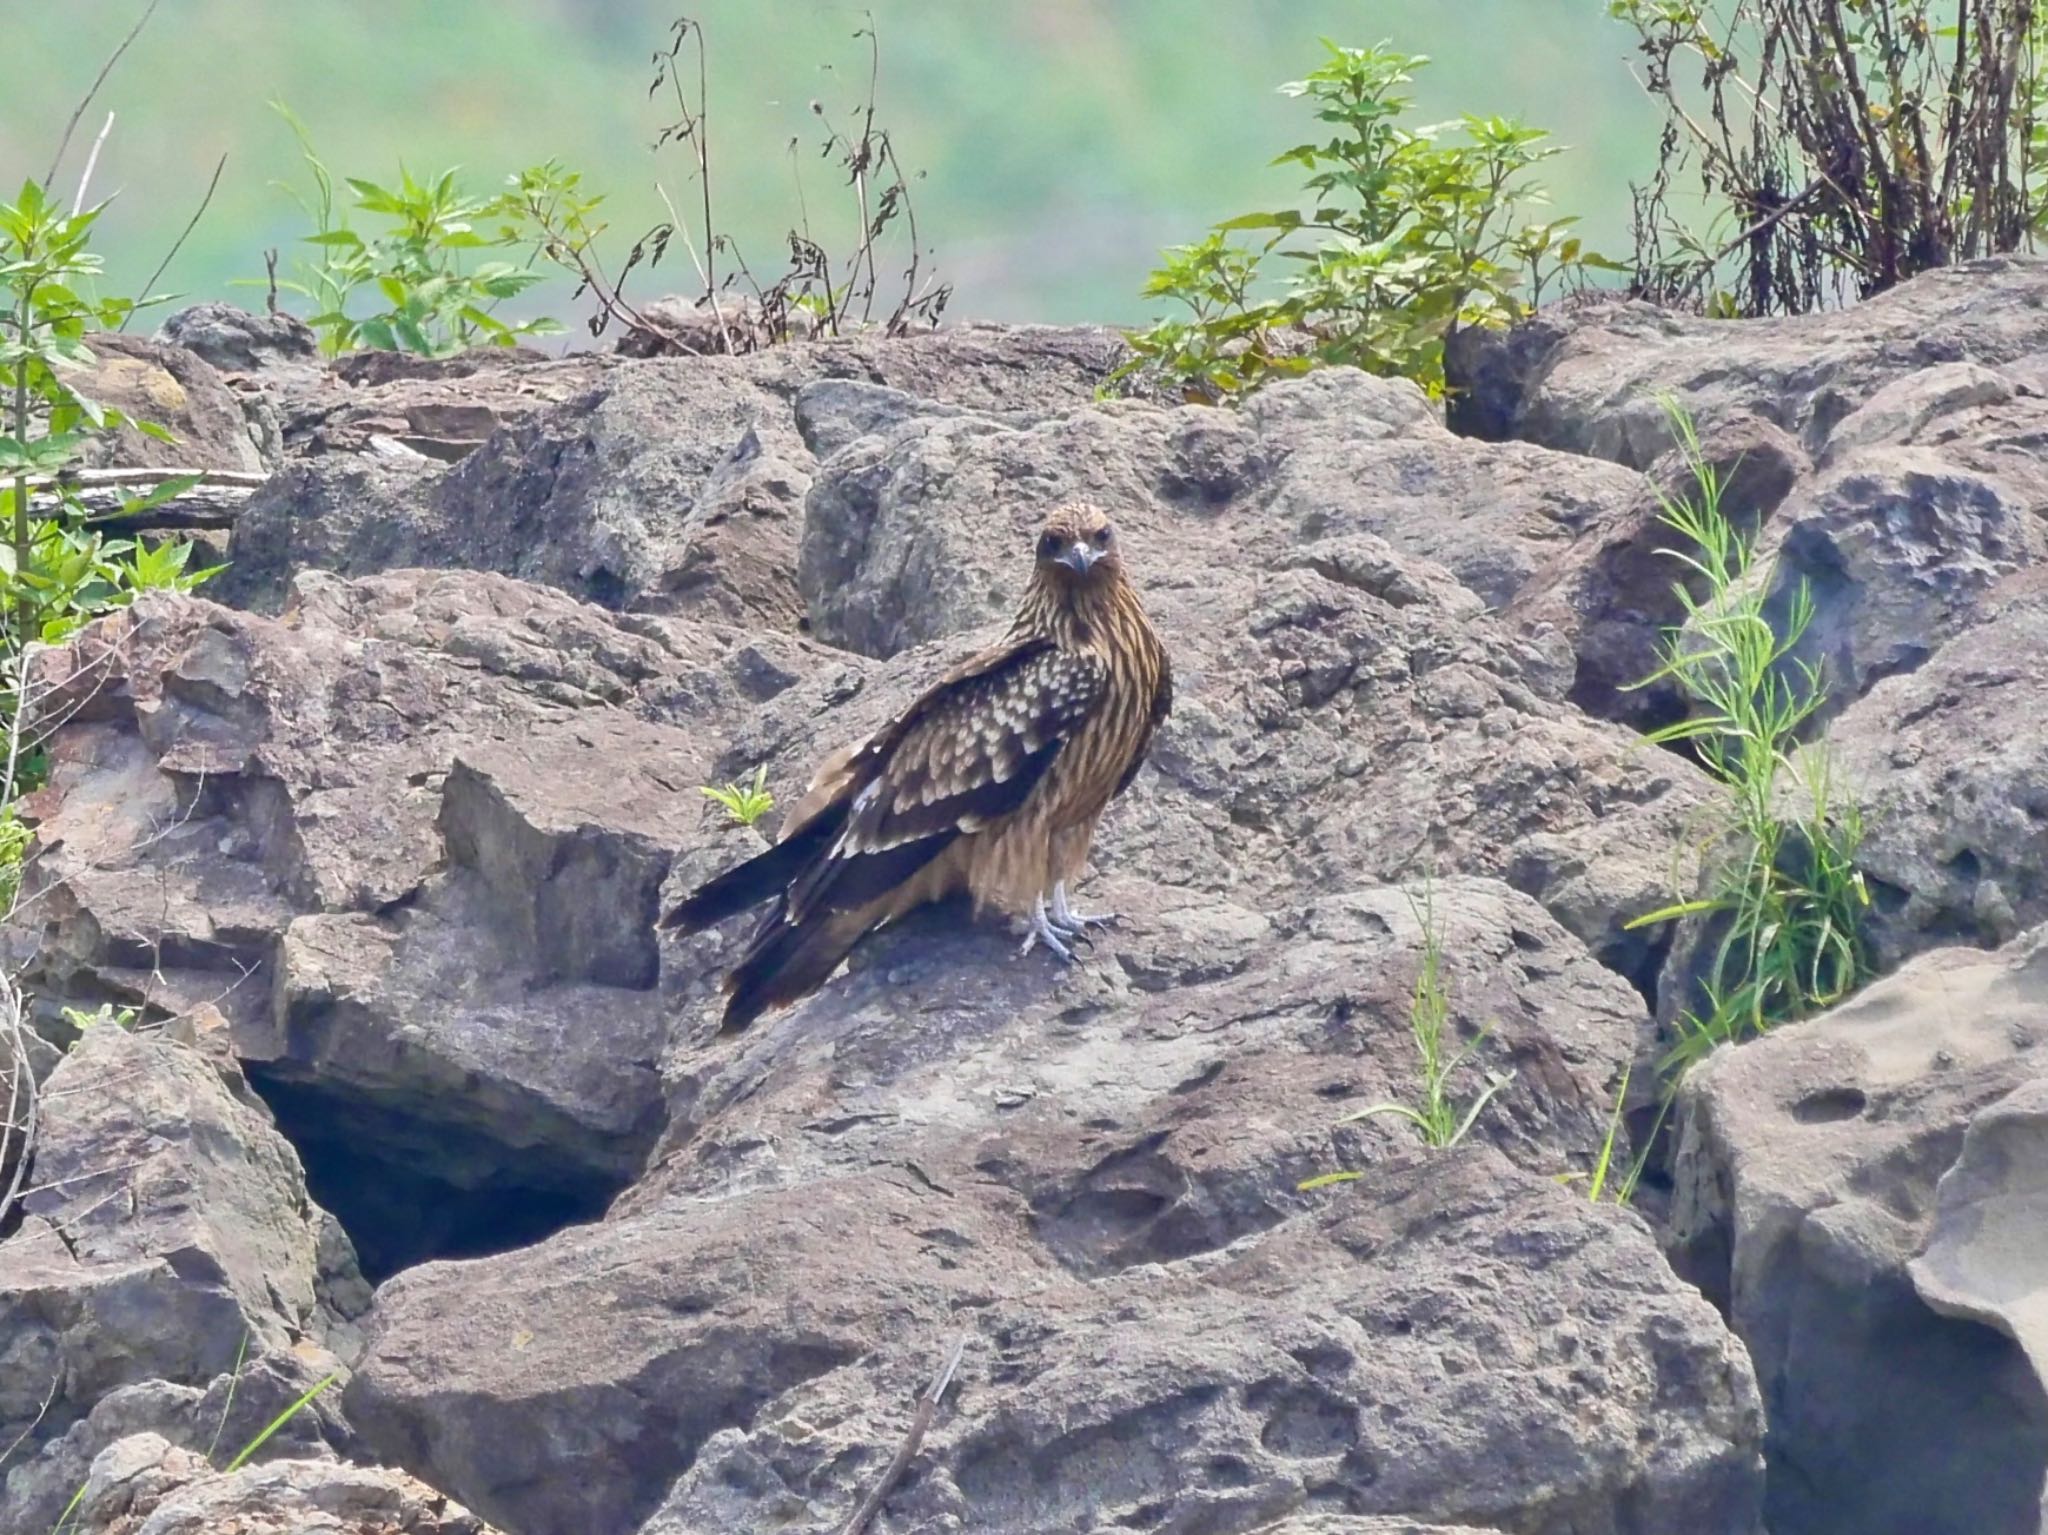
15	837
1841	145
746	803
1784	909
105	1016
427	298
58	570
1415	231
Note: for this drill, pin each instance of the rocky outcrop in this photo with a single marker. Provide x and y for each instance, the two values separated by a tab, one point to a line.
169	1272
1587	377
372	835
1395	1349
1814	1167
669	485
144	1485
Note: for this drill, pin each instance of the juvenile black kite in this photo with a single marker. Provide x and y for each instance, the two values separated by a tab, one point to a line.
991	783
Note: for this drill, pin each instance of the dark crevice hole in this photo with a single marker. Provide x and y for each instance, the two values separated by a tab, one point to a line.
410	1192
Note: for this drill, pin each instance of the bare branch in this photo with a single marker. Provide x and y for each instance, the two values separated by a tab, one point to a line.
186	234
85	180
99	80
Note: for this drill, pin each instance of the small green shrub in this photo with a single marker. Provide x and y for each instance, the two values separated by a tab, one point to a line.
1784	896
57	569
15	837
1415	231
746	803
425	297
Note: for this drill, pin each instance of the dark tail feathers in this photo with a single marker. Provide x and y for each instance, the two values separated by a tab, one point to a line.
786	962
764	875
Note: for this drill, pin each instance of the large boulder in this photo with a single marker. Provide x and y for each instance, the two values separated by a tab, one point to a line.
1592	377
1422	1342
408	839
667	484
168	1250
1814	1167
1952	784
164	385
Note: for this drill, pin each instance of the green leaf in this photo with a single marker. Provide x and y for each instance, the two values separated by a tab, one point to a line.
157	495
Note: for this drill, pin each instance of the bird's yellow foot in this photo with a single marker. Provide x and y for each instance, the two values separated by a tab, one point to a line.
1074	924
1041	930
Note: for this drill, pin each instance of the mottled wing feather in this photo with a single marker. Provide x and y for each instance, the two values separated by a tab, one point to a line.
969	752
1162	705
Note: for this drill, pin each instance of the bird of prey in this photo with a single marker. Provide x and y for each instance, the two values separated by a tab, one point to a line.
991	783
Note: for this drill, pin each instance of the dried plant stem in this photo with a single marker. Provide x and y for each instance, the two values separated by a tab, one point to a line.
920	1425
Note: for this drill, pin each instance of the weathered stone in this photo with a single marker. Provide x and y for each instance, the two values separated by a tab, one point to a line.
1807	1178
168	1237
398	838
157	382
236	341
1952	785
144	1485
1613	592
1401	1347
1897	550
1592	378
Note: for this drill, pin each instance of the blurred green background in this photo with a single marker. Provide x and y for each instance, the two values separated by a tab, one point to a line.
1063	142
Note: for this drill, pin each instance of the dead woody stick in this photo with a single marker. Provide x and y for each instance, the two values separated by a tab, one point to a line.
927	1407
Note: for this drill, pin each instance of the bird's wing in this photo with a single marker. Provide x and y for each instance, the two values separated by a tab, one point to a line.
1162	705
967	751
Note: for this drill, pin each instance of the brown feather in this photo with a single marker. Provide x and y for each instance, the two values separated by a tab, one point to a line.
991	782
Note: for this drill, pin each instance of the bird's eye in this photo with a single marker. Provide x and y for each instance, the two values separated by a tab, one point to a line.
1048	546
1102	537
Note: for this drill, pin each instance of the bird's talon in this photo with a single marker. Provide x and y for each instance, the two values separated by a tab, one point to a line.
1075	923
1043	931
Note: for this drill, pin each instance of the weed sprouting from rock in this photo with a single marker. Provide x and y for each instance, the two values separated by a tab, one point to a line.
1435	1113
746	803
1782	915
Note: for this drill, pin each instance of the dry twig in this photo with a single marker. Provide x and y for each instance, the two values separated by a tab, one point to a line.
920	1424
93	90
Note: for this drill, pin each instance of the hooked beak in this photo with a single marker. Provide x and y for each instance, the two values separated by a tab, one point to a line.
1079	556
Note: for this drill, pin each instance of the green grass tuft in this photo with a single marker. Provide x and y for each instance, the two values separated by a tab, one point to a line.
1785	903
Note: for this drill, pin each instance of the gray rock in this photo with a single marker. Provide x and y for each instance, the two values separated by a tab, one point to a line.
1987	1257
398	838
916	531
1587	379
1897	548
1915	407
671	485
1807	1177
1951	783
236	341
168	1236
1612	593
144	1485
1420	1341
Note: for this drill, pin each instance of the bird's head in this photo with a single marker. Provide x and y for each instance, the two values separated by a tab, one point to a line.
1078	546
